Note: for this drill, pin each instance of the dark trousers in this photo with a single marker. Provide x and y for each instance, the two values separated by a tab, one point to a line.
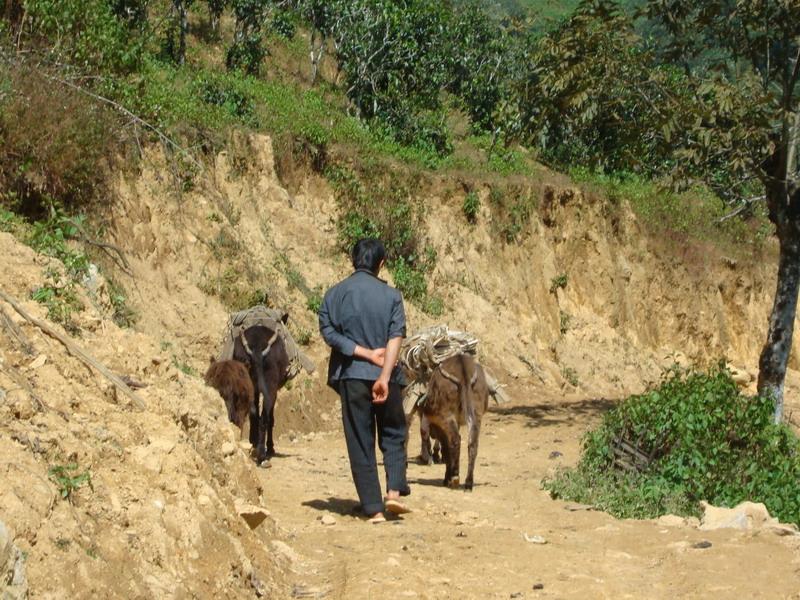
360	418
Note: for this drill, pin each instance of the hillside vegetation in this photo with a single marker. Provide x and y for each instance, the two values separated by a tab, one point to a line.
420	86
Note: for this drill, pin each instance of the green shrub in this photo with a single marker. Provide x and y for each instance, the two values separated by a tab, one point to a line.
68	480
558	282
314	300
704	440
571	376
471	206
60	297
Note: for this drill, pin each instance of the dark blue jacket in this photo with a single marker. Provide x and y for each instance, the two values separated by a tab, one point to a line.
360	310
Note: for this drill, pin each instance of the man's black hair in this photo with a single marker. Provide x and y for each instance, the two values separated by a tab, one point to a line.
368	254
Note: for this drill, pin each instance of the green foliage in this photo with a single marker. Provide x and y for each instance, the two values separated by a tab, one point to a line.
570	375
707	442
594	95
303	337
68	479
52	236
247	50
79	135
85	33
564	320
123	315
512	209
60	297
694	214
10	222
184	367
314	300
471	206
558	282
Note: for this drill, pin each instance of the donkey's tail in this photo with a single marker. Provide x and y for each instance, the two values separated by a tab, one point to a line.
465	383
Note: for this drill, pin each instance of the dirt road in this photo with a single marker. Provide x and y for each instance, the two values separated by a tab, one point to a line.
473	545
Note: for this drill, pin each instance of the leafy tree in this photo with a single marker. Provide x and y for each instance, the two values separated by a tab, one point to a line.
393	65
84	33
321	16
745	58
594	96
131	12
477	52
247	50
177	28
215	10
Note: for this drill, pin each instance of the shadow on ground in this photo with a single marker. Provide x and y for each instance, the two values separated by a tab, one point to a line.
339	506
556	413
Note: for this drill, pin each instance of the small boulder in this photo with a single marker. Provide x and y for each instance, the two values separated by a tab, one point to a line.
671	521
227	449
328	520
745	516
252	514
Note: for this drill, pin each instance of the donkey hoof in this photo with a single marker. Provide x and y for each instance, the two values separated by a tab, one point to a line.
453	483
421	460
264	464
468	486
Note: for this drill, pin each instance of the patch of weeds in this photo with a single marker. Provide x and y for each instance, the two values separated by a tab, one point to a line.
703	439
10	222
693	214
512	212
564	321
91	552
303	337
62	543
165	345
558	282
434	306
471	206
214	217
225	245
123	315
51	237
183	367
570	375
69	480
314	300
61	299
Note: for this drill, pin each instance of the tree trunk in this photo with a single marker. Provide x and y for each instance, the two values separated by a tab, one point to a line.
775	354
184	27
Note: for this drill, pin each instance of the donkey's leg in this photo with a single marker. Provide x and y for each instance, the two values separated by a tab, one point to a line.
453	444
253	433
474	434
425	439
270	426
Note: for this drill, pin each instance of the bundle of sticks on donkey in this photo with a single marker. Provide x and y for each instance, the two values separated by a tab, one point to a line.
258	357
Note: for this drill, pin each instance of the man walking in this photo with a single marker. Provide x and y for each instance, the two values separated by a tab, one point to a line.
363	320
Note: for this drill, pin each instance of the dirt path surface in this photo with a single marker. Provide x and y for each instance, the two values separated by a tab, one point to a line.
461	545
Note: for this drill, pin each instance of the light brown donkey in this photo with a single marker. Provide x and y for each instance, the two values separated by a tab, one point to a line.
457	395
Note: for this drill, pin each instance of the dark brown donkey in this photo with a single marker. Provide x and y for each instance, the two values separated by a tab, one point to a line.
232	380
457	395
263	350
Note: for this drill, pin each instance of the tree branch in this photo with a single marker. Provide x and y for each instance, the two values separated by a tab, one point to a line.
744	207
75	350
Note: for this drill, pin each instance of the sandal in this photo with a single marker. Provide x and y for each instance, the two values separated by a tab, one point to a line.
396	507
376	519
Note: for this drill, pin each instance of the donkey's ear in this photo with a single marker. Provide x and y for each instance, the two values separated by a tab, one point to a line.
285	318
